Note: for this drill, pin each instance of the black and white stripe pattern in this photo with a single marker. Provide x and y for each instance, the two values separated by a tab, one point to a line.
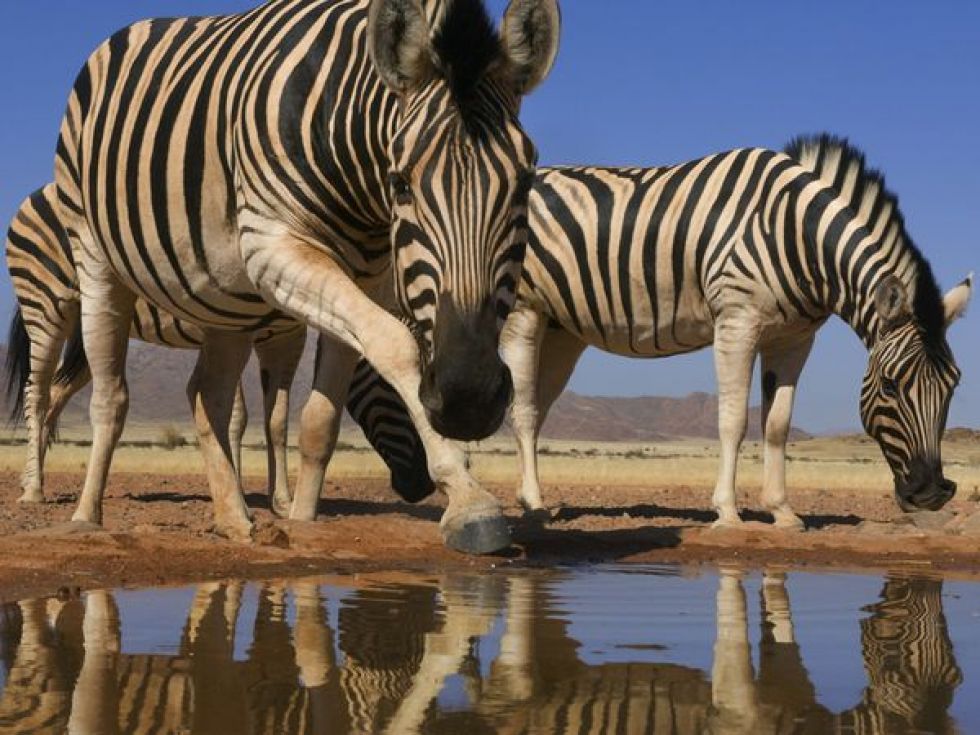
294	159
46	323
752	248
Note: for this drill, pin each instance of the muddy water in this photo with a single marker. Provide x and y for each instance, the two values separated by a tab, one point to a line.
607	650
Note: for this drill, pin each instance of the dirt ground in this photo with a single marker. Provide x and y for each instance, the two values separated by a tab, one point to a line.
158	532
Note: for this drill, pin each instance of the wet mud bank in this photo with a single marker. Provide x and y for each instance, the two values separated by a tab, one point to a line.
158	532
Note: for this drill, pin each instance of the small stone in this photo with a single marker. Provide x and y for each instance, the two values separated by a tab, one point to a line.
932	520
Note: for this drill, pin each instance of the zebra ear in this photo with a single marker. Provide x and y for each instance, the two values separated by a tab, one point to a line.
530	33
957	299
398	40
892	301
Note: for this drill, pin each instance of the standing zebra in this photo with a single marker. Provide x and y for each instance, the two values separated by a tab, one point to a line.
45	283
297	157
751	251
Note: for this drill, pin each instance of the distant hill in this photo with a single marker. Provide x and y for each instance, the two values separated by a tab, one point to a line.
157	377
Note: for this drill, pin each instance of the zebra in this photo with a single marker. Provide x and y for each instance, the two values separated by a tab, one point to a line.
910	661
295	158
45	282
752	251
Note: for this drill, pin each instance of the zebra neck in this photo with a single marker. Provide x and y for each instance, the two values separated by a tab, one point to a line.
862	270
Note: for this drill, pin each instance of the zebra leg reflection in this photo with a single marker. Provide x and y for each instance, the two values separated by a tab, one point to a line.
278	360
780	373
469	615
320	422
733	695
95	701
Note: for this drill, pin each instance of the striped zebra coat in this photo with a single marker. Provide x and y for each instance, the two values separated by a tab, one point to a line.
750	251
294	159
45	282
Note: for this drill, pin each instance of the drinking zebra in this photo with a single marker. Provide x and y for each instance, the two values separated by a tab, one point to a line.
45	282
751	251
293	158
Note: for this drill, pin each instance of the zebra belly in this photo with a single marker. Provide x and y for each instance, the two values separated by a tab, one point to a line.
647	338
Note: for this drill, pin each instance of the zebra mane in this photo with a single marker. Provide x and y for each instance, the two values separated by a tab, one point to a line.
843	167
466	46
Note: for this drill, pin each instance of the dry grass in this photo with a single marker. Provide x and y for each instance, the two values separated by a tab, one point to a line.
824	463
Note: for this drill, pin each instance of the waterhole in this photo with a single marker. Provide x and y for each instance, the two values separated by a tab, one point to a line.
620	649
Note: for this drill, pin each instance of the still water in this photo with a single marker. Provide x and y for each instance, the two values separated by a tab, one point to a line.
603	650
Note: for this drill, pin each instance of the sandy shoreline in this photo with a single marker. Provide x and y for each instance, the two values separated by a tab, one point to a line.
158	532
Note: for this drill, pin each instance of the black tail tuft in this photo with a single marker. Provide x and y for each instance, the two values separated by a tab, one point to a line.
18	366
74	360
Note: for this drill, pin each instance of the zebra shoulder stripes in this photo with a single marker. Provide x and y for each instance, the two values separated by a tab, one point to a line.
45	283
752	251
292	158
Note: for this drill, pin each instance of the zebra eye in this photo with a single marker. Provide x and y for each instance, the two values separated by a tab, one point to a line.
889	388
401	188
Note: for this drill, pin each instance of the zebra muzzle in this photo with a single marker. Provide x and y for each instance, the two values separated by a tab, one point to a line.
924	489
466	388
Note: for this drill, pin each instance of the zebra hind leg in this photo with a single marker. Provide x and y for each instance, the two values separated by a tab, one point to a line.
236	429
320	422
780	373
278	360
107	313
212	393
45	349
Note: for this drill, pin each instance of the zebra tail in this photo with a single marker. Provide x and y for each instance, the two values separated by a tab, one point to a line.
74	361
18	366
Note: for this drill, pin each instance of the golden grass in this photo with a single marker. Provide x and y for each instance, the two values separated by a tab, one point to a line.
852	463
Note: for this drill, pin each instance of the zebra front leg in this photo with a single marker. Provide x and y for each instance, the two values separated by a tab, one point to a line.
212	395
735	349
278	360
320	422
312	287
541	362
107	313
780	372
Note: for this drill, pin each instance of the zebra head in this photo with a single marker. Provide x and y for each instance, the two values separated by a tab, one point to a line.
461	168
907	389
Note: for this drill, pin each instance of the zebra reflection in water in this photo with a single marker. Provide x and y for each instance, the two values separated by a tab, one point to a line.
385	660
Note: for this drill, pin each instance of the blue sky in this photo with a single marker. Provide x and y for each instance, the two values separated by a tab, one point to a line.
648	83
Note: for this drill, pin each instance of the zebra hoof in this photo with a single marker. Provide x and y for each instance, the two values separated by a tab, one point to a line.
242	534
476	533
731	524
790	522
31	496
280	505
73	528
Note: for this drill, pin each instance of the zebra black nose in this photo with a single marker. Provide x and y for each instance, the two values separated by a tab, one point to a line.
925	488
467	402
466	387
